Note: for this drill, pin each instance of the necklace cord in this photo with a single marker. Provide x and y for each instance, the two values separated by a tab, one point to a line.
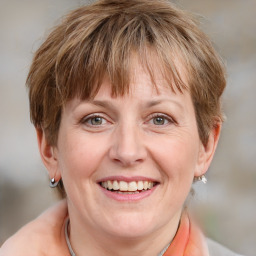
67	239
72	252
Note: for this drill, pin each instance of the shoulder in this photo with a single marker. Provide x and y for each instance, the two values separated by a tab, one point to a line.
215	249
42	236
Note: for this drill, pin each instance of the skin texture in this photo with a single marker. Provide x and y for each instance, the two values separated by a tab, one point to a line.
147	134
128	142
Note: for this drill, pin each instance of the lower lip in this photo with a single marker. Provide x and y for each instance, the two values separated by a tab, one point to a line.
128	197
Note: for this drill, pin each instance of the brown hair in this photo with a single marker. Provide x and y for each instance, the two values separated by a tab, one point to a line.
98	40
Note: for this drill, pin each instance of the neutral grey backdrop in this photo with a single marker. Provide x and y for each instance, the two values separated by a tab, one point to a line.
226	205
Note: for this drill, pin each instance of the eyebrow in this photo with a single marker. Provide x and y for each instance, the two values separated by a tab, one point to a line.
103	103
152	103
157	102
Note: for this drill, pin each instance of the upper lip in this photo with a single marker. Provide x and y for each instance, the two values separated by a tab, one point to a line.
127	179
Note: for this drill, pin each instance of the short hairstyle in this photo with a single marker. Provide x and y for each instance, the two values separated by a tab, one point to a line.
98	40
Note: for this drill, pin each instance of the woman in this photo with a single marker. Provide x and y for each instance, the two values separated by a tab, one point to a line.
125	98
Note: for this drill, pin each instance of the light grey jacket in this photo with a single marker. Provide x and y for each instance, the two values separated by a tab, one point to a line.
216	249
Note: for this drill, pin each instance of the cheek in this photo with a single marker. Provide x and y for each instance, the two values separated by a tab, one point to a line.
78	157
177	157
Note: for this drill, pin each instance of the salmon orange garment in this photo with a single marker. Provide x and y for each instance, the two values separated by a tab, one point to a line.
189	240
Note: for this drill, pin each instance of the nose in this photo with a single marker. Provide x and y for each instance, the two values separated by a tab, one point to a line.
128	146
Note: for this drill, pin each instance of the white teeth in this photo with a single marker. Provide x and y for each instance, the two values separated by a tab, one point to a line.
115	185
140	185
132	186
110	186
145	185
104	184
124	186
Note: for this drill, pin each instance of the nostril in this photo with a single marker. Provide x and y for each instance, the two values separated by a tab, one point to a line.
128	155
128	160
127	146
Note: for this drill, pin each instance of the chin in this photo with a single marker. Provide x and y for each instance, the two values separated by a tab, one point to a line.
132	226
129	232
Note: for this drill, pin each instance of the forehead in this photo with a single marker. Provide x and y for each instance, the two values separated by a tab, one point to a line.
142	97
150	71
154	68
144	87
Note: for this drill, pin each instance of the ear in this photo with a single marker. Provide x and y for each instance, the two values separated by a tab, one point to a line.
48	155
207	151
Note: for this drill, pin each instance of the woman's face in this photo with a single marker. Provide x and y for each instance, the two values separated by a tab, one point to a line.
128	162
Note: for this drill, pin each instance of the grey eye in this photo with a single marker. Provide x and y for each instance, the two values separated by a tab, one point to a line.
159	120
96	120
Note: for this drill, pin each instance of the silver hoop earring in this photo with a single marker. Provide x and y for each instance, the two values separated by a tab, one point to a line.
53	183
201	178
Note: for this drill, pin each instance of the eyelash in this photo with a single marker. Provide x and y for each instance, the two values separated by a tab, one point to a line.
164	117
87	119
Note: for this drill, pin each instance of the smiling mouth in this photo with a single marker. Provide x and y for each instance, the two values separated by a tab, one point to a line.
123	187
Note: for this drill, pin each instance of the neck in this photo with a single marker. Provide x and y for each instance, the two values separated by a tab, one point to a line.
86	239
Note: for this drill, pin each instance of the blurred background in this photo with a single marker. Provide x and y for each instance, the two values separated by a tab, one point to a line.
226	205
